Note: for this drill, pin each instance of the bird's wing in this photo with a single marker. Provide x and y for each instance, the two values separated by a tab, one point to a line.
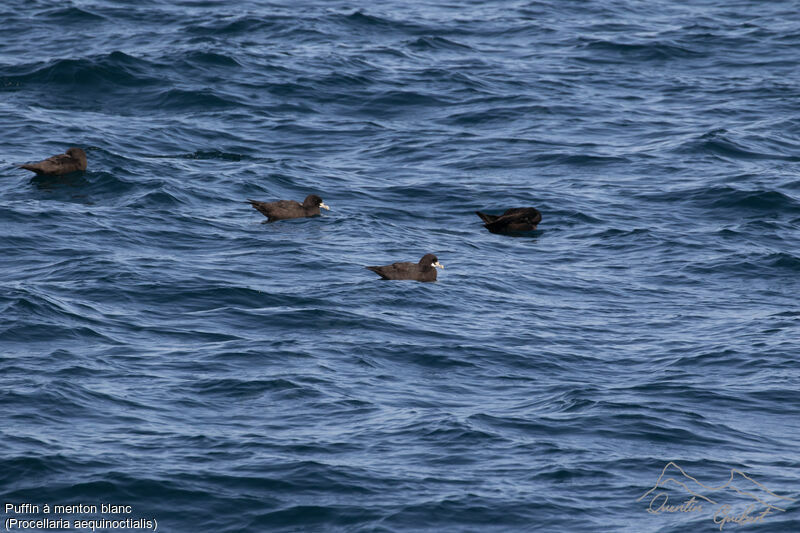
520	214
516	210
51	165
394	271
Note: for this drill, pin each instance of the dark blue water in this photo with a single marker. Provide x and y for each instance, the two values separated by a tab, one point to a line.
162	348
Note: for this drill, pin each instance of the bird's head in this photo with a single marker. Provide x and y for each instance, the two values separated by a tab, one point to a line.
312	200
430	260
79	154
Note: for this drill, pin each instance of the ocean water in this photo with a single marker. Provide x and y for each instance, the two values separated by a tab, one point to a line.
162	348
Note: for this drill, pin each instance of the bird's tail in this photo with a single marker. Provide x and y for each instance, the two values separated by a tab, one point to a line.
378	271
488	219
32	168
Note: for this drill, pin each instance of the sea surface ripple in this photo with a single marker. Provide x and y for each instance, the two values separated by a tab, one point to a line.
160	347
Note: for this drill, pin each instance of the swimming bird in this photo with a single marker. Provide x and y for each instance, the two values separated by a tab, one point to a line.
71	161
283	209
423	271
516	219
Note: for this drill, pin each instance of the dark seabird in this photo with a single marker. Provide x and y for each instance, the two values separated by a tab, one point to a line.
423	271
72	161
283	209
516	219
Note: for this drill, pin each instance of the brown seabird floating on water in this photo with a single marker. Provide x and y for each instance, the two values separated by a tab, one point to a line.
425	270
72	161
283	209
516	219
